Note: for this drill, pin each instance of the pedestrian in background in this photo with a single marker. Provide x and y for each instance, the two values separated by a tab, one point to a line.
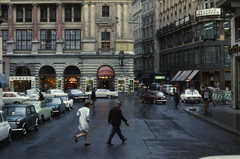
84	117
129	91
210	97
81	88
41	98
176	98
115	116
93	97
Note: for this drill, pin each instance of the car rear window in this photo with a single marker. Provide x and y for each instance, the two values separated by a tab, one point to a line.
192	92
14	111
160	94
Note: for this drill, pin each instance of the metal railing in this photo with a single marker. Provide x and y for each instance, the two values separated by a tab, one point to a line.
222	96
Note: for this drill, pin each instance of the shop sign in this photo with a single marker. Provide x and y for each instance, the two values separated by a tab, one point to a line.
20	78
136	81
159	77
233	49
207	12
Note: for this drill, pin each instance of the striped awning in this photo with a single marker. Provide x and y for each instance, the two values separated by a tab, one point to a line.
192	74
184	75
176	76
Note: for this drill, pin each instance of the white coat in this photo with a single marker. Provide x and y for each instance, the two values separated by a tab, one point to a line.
83	114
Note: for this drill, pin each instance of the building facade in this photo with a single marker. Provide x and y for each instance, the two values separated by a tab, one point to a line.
65	44
193	38
231	9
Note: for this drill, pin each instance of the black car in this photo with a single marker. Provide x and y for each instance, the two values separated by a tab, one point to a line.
77	94
57	105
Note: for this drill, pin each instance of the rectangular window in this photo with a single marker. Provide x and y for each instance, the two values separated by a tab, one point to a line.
196	33
211	4
210	30
68	13
4	34
168	60
43	17
77	13
227	29
161	61
105	11
24	38
197	55
187	35
48	39
19	13
5	11
238	28
186	57
190	57
105	39
211	54
28	13
163	43
72	39
227	57
53	13
172	60
181	58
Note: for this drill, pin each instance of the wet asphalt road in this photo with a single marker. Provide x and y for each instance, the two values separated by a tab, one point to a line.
156	131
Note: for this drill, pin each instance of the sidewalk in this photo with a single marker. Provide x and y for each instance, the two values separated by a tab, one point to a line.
221	115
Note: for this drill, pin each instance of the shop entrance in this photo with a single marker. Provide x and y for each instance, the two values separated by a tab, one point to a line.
47	78
211	78
106	78
71	78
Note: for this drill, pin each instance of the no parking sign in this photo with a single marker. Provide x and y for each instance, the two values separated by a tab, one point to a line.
192	85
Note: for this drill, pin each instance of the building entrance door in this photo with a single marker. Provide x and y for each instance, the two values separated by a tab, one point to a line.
106	78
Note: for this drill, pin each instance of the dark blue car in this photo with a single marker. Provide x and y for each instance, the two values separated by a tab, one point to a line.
77	94
57	105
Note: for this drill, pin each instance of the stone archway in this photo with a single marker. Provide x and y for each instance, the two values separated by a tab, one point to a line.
71	77
106	78
47	76
22	71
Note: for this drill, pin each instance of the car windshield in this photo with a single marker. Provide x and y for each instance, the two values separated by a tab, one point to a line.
76	91
160	94
65	98
36	105
16	111
192	92
32	92
58	91
53	100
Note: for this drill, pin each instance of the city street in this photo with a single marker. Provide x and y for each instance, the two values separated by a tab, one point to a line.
156	131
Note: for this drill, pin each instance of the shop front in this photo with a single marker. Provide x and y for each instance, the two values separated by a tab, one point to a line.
47	78
106	78
71	78
211	78
21	83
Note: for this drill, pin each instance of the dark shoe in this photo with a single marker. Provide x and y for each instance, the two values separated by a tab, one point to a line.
87	144
76	140
109	143
124	140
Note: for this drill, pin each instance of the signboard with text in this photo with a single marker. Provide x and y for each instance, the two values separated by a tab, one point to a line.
207	12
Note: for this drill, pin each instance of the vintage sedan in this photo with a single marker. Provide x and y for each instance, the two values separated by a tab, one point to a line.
189	95
104	93
68	102
77	94
154	97
43	111
14	98
57	105
33	94
21	117
51	93
5	129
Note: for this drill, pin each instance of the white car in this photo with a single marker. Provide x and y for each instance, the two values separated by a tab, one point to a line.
33	94
52	93
5	129
14	98
104	93
67	101
171	90
190	95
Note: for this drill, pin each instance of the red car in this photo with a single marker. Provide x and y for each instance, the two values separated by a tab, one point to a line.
154	97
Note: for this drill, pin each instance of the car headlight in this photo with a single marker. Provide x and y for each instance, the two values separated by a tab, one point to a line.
18	121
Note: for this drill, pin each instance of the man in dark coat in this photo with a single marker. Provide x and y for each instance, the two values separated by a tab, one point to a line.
93	97
115	116
176	98
41	98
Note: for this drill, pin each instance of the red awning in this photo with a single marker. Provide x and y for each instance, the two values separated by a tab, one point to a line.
105	71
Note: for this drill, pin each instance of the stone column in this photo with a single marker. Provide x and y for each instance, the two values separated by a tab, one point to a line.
35	42
119	20
86	32
59	41
125	22
93	20
10	42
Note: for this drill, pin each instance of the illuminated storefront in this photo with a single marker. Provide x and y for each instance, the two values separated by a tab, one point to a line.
21	83
106	78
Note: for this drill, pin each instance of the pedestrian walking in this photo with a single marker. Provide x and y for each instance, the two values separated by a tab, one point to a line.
115	116
210	97
84	117
93	97
129	91
176	98
41	98
81	88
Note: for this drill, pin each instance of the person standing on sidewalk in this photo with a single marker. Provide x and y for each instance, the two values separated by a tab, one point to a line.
210	97
83	114
176	98
93	97
115	116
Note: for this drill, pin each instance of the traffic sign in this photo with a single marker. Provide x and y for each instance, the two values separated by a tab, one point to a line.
192	85
187	80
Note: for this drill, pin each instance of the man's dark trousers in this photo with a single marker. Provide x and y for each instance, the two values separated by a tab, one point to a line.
115	129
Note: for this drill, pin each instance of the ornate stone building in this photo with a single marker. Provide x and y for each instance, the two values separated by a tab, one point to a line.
65	44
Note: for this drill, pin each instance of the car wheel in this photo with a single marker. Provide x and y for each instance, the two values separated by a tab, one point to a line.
24	130
142	100
154	101
109	96
64	111
164	102
36	126
16	103
9	138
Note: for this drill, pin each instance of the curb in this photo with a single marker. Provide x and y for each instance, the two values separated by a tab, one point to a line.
214	122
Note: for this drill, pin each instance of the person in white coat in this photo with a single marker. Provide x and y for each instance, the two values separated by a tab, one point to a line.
84	117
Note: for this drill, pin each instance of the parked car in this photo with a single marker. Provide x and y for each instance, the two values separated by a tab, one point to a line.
76	94
68	102
154	97
21	117
104	93
51	93
171	90
14	98
33	94
57	105
43	111
5	129
166	87
156	86
190	95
